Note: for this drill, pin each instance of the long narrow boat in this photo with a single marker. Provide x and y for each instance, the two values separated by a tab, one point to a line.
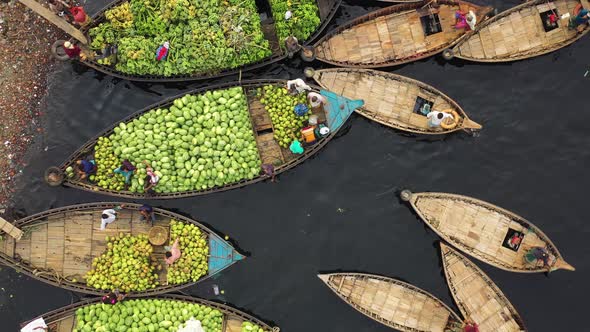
394	100
269	150
395	35
58	246
477	296
521	32
326	10
485	231
392	302
71	317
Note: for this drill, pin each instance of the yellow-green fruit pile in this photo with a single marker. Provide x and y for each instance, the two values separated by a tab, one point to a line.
281	107
124	266
120	16
106	163
251	327
194	249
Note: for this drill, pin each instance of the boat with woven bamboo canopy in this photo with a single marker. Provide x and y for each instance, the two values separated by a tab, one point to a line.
58	246
476	295
395	35
392	302
65	319
325	11
268	148
521	32
395	101
487	232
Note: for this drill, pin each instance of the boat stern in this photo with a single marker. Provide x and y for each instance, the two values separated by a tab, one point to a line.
561	264
471	125
324	277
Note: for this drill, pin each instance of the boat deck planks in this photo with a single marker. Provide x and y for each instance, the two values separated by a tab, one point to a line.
480	228
392	35
518	33
477	296
391	302
389	98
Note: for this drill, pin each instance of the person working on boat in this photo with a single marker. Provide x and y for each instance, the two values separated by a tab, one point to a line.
269	170
113	297
172	253
316	100
470	326
37	325
292	45
59	8
538	254
72	50
126	169
465	20
85	168
147	213
580	21
80	16
109	216
297	86
435	118
151	179
162	51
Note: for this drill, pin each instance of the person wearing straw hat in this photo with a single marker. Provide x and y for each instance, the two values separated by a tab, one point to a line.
73	51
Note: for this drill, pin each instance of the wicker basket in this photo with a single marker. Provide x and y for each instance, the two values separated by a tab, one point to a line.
158	235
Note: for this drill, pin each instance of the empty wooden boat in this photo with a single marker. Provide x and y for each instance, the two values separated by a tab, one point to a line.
188	38
521	32
392	302
393	100
395	35
261	128
477	296
487	232
58	246
66	319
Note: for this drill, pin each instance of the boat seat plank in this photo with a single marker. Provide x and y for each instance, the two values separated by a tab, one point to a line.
23	246
78	243
55	246
39	246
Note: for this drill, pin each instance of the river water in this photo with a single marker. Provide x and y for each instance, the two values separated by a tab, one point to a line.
339	211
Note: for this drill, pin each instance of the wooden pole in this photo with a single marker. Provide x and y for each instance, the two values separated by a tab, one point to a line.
56	20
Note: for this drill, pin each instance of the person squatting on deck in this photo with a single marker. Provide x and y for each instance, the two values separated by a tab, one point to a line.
435	118
269	170
85	168
72	50
539	254
147	214
465	20
580	21
109	216
297	86
316	101
172	253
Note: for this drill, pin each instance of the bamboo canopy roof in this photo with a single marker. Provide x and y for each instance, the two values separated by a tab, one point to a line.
519	33
395	35
481	230
476	295
64	319
393	100
59	245
392	302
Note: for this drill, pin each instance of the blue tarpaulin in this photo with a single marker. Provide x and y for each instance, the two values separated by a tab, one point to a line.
221	254
339	109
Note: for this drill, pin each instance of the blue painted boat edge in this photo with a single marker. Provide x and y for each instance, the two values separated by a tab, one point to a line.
221	254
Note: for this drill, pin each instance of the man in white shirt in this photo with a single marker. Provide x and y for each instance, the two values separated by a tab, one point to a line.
435	118
297	85
316	100
108	216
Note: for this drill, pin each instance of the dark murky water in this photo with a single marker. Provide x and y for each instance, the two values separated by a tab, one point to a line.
339	210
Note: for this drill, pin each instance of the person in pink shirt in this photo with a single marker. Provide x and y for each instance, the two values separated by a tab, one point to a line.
173	254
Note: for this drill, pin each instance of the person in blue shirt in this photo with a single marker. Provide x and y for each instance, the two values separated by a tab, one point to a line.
147	214
85	168
578	21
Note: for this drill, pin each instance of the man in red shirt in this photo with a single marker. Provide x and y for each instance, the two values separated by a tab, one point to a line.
80	15
73	51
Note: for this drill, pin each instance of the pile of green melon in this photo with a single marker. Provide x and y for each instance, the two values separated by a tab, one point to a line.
194	249
198	143
151	315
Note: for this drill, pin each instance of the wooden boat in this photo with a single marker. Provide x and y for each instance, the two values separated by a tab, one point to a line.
327	9
483	230
59	245
477	296
394	100
269	150
520	33
392	302
395	35
64	319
